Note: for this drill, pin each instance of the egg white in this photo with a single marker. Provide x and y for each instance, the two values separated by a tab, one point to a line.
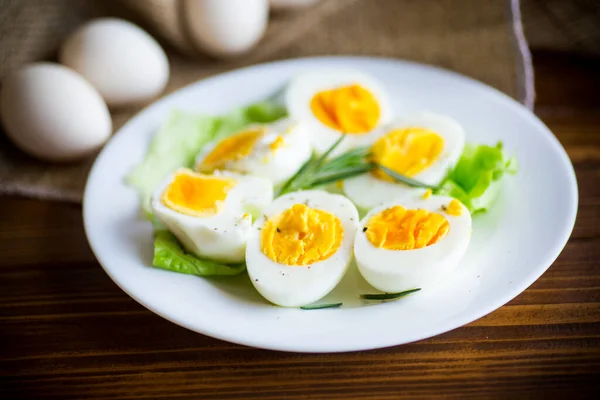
368	191
398	270
303	87
276	165
221	237
294	286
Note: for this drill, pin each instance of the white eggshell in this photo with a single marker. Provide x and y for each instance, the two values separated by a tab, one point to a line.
122	61
284	5
226	28
53	113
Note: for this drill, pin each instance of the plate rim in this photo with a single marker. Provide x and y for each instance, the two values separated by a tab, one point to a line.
461	319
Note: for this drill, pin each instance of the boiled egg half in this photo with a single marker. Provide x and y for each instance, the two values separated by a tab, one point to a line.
302	246
274	151
412	243
212	215
423	147
336	102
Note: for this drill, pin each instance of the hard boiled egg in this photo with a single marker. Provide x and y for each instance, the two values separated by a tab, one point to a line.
53	113
122	61
336	102
301	248
412	243
423	146
211	215
273	151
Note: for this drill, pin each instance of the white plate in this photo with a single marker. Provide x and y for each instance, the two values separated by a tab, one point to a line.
511	246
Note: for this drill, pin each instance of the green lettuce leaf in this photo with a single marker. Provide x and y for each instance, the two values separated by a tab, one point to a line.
265	111
476	179
182	136
169	255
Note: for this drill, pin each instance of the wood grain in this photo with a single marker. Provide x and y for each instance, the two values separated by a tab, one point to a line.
67	331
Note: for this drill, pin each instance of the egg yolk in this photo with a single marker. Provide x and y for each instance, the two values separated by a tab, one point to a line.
278	143
399	229
197	195
301	236
407	151
233	148
454	208
348	109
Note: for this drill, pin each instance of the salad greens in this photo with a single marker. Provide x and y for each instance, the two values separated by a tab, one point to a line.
182	136
405	179
169	255
477	177
388	296
321	306
319	171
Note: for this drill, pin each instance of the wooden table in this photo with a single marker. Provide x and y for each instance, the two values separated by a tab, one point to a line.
68	332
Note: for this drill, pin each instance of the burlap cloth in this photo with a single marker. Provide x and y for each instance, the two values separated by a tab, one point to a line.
479	38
